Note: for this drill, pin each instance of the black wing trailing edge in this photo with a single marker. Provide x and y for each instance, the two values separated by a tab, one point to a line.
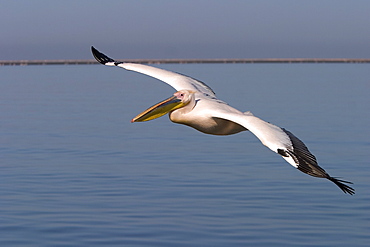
307	163
102	58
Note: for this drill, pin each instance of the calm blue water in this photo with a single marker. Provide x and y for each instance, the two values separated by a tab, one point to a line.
75	172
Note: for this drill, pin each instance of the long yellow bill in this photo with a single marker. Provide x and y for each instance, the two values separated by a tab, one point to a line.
158	110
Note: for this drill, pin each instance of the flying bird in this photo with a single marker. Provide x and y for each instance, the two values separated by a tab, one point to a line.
196	105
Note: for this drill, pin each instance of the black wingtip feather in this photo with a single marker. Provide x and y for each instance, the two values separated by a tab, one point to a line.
100	57
343	185
307	163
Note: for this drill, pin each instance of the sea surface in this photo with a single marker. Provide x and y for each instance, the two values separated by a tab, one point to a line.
75	172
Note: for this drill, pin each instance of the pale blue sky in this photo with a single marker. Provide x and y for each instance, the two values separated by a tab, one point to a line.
47	29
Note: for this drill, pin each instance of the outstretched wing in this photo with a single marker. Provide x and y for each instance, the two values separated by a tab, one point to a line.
176	80
283	142
275	138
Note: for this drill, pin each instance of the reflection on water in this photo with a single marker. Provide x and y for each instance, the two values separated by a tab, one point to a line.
75	172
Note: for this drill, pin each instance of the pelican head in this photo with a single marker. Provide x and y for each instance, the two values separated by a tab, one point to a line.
179	99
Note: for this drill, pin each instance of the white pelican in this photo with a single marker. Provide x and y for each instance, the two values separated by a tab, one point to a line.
195	104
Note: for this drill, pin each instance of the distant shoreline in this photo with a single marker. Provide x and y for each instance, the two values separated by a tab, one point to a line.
184	61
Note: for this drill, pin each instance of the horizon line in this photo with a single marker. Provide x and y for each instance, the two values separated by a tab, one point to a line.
185	61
